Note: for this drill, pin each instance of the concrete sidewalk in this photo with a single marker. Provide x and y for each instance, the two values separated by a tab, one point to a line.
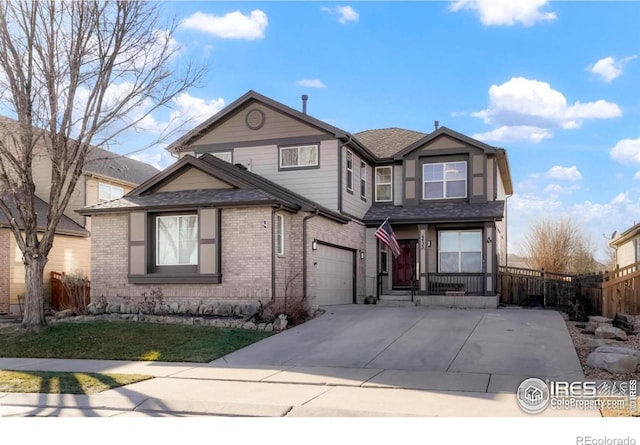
215	390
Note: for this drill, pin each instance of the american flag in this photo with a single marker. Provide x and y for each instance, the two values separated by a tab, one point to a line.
385	235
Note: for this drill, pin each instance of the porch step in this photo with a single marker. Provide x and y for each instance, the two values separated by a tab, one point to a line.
396	298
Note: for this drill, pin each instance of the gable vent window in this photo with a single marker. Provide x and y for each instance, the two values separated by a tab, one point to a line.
300	156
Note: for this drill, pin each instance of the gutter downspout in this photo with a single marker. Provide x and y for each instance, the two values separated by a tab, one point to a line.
273	250
304	251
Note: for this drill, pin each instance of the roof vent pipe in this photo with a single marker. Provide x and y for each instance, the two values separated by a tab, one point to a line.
304	103
436	124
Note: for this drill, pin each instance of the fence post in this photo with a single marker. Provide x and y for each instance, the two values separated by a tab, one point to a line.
544	289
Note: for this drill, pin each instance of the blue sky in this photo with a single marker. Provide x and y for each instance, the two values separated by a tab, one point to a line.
554	83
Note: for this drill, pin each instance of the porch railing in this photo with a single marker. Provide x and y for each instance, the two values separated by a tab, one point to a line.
469	283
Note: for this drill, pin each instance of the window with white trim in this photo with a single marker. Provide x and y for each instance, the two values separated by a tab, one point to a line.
107	192
349	171
176	240
299	156
363	181
280	234
444	180
460	251
384	191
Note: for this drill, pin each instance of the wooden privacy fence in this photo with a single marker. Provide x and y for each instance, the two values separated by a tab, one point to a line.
69	292
621	291
530	287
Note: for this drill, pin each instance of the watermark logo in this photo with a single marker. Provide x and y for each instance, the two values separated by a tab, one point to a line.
533	396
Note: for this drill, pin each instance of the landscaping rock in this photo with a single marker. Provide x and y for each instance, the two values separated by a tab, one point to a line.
224	309
597	342
615	363
208	309
249	310
250	325
261	326
628	323
268	327
63	314
113	307
280	324
610	332
619	350
595	322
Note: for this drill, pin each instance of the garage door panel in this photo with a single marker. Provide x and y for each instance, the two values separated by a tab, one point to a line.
334	276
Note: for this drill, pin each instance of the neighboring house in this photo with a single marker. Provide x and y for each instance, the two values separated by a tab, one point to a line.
267	201
106	176
627	247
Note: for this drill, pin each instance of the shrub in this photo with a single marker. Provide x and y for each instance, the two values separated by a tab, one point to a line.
295	308
75	286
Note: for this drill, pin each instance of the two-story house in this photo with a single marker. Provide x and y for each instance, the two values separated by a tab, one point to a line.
266	201
106	176
627	247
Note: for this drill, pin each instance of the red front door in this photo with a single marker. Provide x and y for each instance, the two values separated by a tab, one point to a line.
403	264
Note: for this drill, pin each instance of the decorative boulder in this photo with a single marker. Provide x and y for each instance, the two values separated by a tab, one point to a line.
280	324
612	362
610	332
597	321
597	342
619	350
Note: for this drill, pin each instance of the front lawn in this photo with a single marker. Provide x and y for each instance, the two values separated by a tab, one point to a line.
113	340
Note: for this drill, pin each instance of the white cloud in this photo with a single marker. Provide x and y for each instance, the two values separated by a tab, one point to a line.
233	25
506	12
158	157
345	13
187	110
527	109
626	150
609	68
564	173
311	83
514	133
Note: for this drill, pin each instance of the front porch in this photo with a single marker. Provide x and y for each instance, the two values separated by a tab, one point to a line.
438	265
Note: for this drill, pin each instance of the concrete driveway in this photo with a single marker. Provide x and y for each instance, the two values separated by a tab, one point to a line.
492	350
351	361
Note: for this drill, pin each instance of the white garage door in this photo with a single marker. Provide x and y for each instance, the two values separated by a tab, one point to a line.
334	276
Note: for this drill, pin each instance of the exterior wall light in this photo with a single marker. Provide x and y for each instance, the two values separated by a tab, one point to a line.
362	254
314	244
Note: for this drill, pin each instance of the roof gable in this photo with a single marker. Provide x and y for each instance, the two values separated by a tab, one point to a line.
258	117
196	172
445	137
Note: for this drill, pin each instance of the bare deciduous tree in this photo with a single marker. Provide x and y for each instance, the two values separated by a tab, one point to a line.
559	246
75	75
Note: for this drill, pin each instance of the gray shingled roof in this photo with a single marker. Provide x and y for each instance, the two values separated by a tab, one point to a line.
437	212
386	142
66	224
105	163
185	198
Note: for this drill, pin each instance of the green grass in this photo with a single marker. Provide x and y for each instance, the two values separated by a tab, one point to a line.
111	340
64	382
